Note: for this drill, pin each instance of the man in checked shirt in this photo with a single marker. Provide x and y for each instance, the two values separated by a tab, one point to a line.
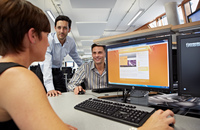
92	74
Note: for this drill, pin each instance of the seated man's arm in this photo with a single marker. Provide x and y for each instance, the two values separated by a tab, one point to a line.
76	80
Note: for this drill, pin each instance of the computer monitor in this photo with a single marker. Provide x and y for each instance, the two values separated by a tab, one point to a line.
195	16
144	65
69	64
188	65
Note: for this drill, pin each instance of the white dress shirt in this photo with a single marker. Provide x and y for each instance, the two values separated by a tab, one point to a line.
54	57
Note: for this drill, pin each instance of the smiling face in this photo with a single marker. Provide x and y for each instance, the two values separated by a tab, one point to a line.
98	55
62	30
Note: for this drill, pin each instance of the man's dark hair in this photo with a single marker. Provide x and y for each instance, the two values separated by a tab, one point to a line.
97	45
63	18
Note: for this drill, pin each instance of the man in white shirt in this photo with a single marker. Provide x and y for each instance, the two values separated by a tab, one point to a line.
59	46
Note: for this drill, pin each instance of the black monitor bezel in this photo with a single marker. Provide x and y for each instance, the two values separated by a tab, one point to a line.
179	65
169	90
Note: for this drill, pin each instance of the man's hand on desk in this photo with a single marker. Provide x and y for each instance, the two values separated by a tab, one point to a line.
53	93
77	89
159	120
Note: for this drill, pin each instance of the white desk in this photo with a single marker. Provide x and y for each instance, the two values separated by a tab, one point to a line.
64	107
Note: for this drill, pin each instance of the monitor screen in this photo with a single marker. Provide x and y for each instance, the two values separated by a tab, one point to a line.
188	65
145	64
195	16
69	64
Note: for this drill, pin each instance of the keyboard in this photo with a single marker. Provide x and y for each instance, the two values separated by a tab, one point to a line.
104	90
121	112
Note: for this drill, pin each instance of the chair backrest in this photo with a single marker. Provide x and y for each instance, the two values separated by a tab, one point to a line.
67	70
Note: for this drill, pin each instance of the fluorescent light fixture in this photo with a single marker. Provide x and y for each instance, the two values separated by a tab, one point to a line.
136	16
51	15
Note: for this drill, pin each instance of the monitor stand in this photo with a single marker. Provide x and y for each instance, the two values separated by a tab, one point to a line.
139	97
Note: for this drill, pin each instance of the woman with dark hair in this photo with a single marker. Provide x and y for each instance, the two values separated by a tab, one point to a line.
23	39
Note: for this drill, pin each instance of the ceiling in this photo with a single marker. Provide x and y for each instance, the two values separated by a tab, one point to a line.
94	19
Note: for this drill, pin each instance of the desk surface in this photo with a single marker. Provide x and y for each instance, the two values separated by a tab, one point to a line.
64	104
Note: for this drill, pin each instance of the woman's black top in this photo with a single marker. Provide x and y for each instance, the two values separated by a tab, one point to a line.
8	125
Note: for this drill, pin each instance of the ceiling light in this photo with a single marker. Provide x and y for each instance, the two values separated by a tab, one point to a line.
136	16
50	14
58	2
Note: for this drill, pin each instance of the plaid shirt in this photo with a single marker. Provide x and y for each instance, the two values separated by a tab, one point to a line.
88	74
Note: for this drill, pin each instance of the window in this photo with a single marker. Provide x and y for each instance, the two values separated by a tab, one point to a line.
164	20
153	24
194	4
180	14
187	8
159	21
184	9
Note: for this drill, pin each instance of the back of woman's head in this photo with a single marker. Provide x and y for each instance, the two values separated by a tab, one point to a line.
16	18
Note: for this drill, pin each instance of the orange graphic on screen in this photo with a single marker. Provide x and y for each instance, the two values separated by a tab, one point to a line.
123	60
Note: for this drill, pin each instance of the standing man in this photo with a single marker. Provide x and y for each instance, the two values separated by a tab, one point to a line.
93	74
59	46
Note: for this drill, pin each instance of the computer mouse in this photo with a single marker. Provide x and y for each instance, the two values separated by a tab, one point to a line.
81	92
171	125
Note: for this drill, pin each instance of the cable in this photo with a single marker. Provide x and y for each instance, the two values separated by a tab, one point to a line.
126	95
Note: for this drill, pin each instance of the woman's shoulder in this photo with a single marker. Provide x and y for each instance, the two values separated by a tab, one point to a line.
18	77
18	70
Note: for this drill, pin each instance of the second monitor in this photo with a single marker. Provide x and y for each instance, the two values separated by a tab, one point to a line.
189	65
